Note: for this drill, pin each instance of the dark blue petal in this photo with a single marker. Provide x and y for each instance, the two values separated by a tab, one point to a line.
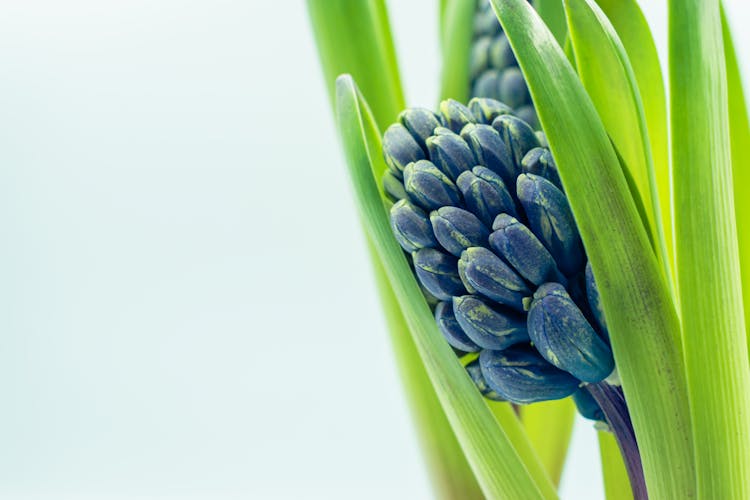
487	326
518	137
515	243
421	123
452	331
501	55
552	221
484	272
450	153
528	114
479	57
456	229
428	187
521	376
455	115
487	84
490	151
539	161
587	405
513	89
475	373
400	149
438	273
411	226
563	337
485	194
485	110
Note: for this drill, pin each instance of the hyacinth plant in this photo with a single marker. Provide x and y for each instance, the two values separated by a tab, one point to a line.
558	235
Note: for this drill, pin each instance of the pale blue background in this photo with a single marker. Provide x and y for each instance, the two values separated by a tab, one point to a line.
185	301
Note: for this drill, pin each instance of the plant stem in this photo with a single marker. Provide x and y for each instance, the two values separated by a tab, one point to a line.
612	402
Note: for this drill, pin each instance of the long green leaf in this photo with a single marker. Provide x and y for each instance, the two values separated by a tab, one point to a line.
739	129
549	426
633	30
707	251
644	327
617	98
616	482
457	32
553	15
364	47
354	37
451	476
500	455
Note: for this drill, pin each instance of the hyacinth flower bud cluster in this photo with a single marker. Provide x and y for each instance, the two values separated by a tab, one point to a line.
493	68
480	210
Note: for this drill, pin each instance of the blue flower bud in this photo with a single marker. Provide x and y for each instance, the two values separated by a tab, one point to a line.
485	194
539	161
518	137
400	149
563	337
451	330
438	273
542	138
500	53
484	272
411	227
551	220
587	405
521	376
515	243
487	84
490	151
485	22
479	57
420	123
455	115
456	229
512	88
450	153
475	373
393	187
528	114
485	109
428	187
595	303
489	327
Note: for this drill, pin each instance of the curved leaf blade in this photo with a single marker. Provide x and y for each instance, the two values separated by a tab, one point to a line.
500	455
599	51
634	33
739	129
644	327
707	251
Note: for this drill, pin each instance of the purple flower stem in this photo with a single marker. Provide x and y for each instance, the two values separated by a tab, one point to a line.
612	402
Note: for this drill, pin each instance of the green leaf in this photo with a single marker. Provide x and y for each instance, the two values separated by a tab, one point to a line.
740	136
617	98
643	323
355	38
500	455
707	251
635	35
553	15
457	33
616	481
549	426
449	471
364	47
